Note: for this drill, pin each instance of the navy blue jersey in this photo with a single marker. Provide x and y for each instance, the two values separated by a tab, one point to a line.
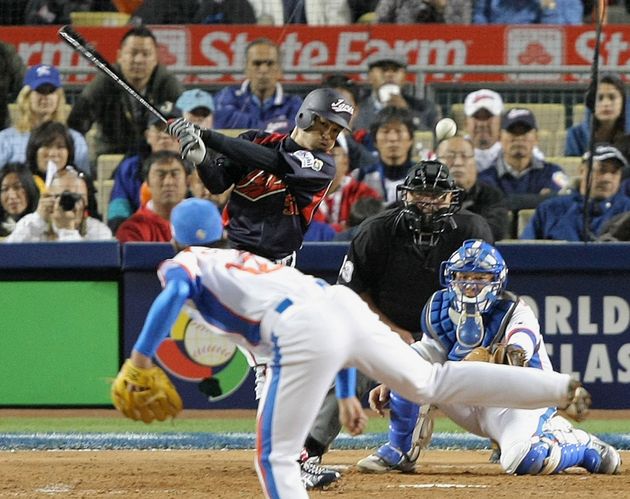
272	205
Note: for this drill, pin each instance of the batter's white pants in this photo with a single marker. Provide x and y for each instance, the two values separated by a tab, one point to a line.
309	342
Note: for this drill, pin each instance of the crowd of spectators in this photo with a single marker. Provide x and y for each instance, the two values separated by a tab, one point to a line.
312	12
497	160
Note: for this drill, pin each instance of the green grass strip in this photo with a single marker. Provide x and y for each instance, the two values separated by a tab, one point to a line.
221	425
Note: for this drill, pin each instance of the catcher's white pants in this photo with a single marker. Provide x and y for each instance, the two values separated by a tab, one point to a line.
308	343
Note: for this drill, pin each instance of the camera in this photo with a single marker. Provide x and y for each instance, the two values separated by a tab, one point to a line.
68	200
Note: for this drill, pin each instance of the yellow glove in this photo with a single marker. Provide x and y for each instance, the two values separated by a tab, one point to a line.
152	395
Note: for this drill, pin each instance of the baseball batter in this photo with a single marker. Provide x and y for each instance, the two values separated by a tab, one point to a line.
279	180
475	318
312	332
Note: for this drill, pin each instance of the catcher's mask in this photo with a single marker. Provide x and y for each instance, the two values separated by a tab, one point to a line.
430	197
474	257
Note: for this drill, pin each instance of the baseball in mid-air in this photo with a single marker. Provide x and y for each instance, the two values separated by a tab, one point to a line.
445	129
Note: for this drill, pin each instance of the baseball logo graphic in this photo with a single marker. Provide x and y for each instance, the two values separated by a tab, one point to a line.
195	353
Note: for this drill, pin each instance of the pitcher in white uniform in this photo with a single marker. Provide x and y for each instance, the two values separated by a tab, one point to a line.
313	332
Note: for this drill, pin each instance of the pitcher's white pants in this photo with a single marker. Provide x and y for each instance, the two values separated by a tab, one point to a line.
310	342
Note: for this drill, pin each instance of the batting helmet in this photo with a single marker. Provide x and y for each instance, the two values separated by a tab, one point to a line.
439	198
326	103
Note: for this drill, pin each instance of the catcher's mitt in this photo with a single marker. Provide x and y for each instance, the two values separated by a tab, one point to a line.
152	395
512	355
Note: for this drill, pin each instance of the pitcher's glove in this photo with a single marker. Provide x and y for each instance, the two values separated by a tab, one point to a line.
145	394
512	355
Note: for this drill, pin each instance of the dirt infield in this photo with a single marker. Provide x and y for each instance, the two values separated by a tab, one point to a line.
229	474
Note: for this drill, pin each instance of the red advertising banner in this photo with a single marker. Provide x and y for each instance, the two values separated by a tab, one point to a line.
215	54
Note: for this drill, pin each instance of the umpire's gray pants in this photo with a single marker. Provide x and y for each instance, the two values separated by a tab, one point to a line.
327	426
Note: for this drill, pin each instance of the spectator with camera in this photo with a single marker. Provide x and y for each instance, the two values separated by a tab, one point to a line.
18	196
61	213
386	75
166	175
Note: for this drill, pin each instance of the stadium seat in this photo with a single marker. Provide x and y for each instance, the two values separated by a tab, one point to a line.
548	116
106	164
232	132
457	113
551	142
103	191
570	164
578	112
524	217
99	18
422	141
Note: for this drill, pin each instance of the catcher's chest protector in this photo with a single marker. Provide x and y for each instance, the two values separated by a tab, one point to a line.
443	328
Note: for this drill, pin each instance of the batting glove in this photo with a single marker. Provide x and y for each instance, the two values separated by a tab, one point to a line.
191	145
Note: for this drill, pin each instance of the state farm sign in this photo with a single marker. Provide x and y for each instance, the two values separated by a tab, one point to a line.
216	53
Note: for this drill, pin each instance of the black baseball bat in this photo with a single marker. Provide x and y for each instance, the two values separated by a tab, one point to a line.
78	43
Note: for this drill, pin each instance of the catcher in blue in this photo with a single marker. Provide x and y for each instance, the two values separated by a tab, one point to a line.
474	318
313	332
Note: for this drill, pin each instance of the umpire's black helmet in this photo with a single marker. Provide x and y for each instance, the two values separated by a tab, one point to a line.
428	218
327	103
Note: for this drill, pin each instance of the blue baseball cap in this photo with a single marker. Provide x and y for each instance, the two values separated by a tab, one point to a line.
192	99
42	74
196	221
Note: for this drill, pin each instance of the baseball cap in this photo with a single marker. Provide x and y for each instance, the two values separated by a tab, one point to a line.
196	221
483	99
168	109
381	60
518	116
42	74
605	152
192	99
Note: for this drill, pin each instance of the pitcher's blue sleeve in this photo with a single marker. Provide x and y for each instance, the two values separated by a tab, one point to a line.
164	311
346	383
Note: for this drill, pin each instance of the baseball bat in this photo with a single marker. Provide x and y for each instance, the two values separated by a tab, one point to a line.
78	43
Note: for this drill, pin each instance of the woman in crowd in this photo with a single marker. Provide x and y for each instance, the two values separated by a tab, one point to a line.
51	149
18	196
610	117
41	100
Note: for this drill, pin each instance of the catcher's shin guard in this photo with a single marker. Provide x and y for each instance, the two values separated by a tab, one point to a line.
403	416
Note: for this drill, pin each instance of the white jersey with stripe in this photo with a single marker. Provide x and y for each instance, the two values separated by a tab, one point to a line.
235	289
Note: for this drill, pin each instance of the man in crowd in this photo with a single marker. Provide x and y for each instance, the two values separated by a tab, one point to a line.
260	102
562	217
483	109
523	178
458	154
121	119
386	75
166	175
